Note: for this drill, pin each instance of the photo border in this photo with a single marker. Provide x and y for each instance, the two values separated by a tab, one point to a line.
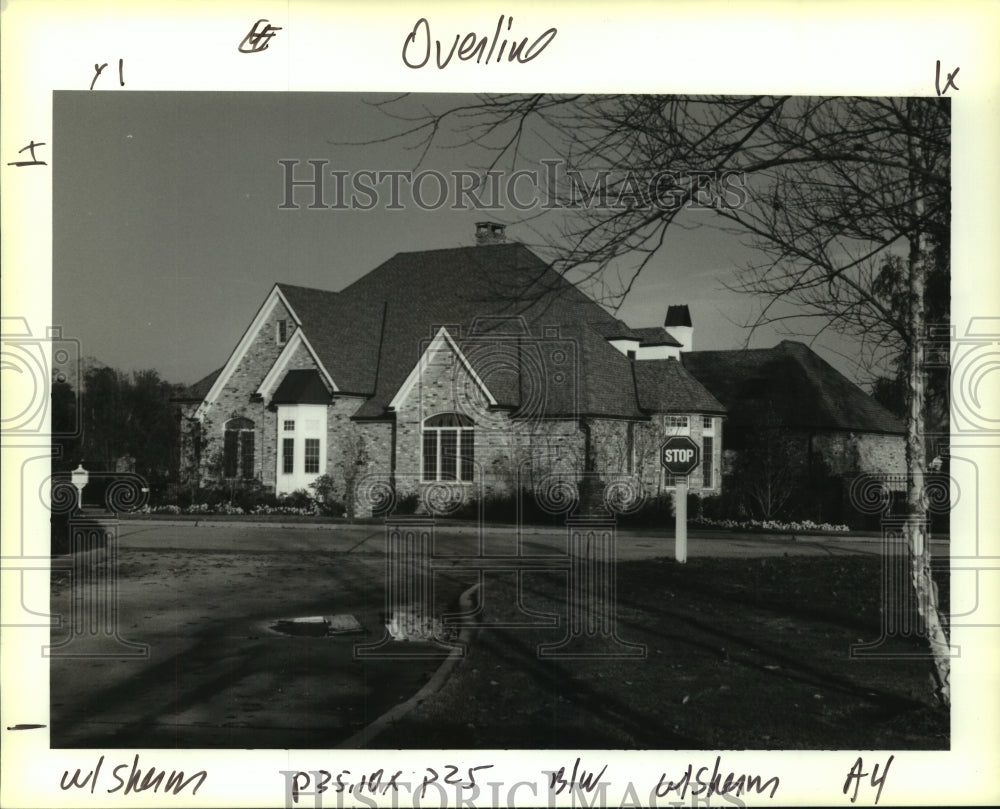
880	48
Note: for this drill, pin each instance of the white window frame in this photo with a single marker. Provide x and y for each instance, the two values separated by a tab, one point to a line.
708	458
306	456
308	421
460	428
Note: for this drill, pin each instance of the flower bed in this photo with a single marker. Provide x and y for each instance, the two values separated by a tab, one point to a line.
228	509
771	526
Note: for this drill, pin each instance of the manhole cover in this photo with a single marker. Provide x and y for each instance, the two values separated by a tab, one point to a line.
318	626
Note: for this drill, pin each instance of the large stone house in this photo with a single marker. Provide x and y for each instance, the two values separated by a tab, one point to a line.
475	370
480	371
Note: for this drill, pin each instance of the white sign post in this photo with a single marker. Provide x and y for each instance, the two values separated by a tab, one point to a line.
681	521
679	455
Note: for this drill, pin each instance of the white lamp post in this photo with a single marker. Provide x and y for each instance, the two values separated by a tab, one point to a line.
80	476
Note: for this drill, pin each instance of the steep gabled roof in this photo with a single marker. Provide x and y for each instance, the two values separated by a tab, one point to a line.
488	294
345	340
789	385
519	324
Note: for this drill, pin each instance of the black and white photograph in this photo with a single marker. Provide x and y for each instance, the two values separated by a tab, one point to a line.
434	444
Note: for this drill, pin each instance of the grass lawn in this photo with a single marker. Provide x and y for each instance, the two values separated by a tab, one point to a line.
741	654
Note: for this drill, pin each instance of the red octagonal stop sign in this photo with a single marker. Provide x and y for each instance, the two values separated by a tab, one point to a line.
679	455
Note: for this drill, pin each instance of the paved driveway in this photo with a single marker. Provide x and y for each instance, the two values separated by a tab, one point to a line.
202	598
215	673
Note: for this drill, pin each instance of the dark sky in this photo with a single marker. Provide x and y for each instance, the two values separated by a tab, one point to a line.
167	232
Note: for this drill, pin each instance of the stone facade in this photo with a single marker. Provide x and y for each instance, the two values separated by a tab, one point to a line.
857	453
202	440
510	451
810	471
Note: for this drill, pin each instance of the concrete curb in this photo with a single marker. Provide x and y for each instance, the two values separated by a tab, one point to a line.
366	734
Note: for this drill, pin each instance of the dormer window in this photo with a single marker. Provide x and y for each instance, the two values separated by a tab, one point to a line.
281	332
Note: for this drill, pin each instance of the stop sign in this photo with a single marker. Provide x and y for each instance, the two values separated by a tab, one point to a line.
679	455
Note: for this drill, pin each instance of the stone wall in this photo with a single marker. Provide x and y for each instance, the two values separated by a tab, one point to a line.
849	454
355	451
808	474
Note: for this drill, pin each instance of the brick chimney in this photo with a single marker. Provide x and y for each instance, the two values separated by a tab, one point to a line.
490	233
678	323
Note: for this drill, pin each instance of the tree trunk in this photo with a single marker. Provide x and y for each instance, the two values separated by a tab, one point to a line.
917	525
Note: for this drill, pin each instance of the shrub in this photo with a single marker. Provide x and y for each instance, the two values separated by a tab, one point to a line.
250	495
405	505
300	498
331	508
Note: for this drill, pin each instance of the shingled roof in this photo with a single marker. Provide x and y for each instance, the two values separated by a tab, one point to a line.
791	385
666	386
656	336
491	298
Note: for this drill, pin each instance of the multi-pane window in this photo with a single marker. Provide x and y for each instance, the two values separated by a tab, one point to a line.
288	455
677	422
289	425
312	456
281	332
430	453
707	447
706	422
238	448
448	448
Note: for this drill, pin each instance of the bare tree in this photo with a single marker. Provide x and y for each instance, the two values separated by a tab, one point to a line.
829	191
764	475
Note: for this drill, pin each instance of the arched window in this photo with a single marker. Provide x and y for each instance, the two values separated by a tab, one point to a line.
448	447
238	449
